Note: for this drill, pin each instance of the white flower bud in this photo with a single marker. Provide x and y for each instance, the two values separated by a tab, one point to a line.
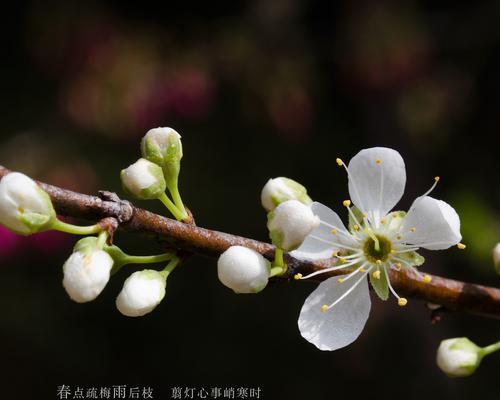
24	207
290	223
162	145
458	357
243	270
143	180
279	190
496	257
86	272
141	293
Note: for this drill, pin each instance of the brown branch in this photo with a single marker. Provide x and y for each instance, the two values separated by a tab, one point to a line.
452	295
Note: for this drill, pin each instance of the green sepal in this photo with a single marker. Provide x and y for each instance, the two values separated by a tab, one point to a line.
151	151
413	258
86	245
118	256
380	285
36	222
276	236
359	216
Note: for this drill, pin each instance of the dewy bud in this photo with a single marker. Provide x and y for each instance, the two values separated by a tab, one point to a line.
162	145
143	180
458	357
141	293
87	271
496	257
243	270
24	207
290	223
279	190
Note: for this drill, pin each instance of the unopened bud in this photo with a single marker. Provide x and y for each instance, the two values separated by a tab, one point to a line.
243	270
496	257
290	223
24	207
141	293
143	180
458	357
279	190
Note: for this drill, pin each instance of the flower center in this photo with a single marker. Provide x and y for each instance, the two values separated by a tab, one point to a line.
373	253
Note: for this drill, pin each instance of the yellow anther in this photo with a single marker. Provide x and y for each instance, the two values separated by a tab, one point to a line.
379	262
342	260
437	178
376	274
335	253
333	231
362	270
382	221
378	161
398	266
356	227
427	278
340	280
393	251
339	162
346	203
461	246
413	229
398	237
324	308
297	276
402	302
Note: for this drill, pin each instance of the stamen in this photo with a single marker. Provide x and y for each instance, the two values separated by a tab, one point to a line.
347	292
413	230
330	269
361	206
333	231
427	278
341	280
338	230
354	219
339	162
324	308
407	250
461	246
356	227
335	244
346	203
375	239
402	302
376	274
382	221
297	276
398	266
436	180
378	161
392	289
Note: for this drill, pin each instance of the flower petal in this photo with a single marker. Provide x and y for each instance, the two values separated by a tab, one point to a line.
377	179
436	223
320	243
341	325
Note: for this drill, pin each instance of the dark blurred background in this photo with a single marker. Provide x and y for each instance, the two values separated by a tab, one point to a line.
257	89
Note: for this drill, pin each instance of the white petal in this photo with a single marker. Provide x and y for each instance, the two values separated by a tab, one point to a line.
377	179
341	325
436	223
316	249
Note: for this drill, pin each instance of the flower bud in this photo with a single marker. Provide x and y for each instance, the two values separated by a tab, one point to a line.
141	293
279	190
290	223
87	271
243	270
143	180
24	207
496	257
163	146
458	357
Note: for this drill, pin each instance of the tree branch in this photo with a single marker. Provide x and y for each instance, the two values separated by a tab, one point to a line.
451	294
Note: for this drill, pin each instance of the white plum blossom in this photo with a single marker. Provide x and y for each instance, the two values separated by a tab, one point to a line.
141	293
375	241
290	223
86	273
144	180
243	270
24	207
458	357
279	190
162	145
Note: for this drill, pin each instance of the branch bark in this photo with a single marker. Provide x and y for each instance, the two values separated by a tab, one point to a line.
451	294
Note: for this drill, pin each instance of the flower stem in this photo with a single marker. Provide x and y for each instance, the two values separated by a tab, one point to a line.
59	225
174	191
170	266
101	239
279	265
490	349
147	259
171	207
